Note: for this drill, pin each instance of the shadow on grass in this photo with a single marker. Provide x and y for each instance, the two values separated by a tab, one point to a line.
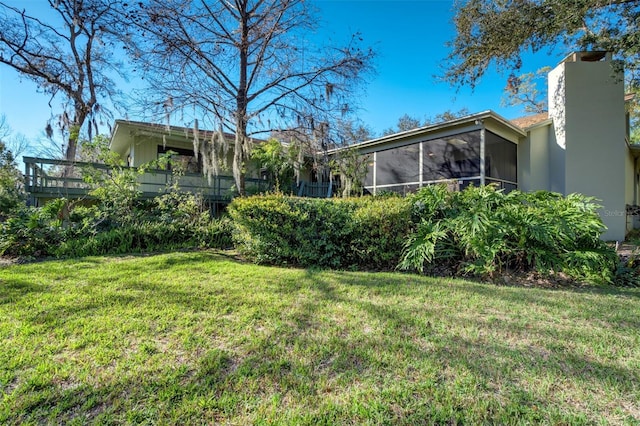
416	367
12	289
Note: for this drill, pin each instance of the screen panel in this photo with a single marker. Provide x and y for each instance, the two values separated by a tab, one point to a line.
452	157
398	165
501	158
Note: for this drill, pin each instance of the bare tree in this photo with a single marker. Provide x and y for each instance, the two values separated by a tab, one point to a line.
69	56
5	129
350	132
247	67
18	143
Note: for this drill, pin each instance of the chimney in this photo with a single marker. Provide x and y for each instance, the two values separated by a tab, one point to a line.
589	156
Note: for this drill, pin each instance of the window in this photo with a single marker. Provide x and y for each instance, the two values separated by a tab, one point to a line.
454	158
184	158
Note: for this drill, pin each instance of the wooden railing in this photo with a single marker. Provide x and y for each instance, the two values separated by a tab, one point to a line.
44	178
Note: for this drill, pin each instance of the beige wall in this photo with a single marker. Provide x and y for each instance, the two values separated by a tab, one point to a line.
586	103
533	160
145	149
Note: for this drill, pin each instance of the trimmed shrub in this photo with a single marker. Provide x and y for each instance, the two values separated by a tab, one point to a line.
481	231
363	233
381	226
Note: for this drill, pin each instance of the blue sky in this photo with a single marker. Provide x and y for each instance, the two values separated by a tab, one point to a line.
409	37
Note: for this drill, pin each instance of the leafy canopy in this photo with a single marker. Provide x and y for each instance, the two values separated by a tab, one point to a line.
499	32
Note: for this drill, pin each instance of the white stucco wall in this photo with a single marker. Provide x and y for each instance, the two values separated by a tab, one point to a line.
586	103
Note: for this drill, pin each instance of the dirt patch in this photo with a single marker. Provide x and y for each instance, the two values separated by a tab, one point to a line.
8	261
536	279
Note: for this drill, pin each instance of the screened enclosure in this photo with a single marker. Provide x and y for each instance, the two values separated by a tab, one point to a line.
456	160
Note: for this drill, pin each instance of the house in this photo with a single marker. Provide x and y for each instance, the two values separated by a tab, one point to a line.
580	146
139	143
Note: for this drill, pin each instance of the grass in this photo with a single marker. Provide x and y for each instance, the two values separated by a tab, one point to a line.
198	338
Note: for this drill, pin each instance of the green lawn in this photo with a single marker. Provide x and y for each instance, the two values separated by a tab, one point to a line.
199	338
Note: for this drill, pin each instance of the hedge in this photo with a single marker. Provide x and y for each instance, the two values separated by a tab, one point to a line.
363	233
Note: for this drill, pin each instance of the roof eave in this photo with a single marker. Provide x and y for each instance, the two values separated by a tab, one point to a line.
434	128
542	123
156	129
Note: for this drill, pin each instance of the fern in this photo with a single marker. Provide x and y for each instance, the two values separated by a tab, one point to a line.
486	231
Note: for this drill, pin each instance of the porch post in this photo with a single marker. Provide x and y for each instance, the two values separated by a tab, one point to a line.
420	163
375	166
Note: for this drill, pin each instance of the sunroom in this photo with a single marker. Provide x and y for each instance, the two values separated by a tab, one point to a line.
478	149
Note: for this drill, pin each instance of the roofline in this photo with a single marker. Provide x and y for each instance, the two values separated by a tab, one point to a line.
434	128
598	56
542	123
173	132
163	128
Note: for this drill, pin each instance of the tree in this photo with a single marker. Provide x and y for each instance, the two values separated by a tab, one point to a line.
349	163
349	132
445	116
5	129
247	67
352	166
18	143
278	160
499	32
633	107
406	122
68	57
11	187
523	91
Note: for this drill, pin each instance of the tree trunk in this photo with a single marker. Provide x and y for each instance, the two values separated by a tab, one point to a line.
241	105
72	145
70	155
238	161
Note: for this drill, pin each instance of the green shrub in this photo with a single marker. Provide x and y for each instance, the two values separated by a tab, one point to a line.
628	271
33	231
149	236
328	233
171	221
481	231
381	226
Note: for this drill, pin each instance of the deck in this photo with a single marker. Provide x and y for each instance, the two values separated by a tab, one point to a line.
43	180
